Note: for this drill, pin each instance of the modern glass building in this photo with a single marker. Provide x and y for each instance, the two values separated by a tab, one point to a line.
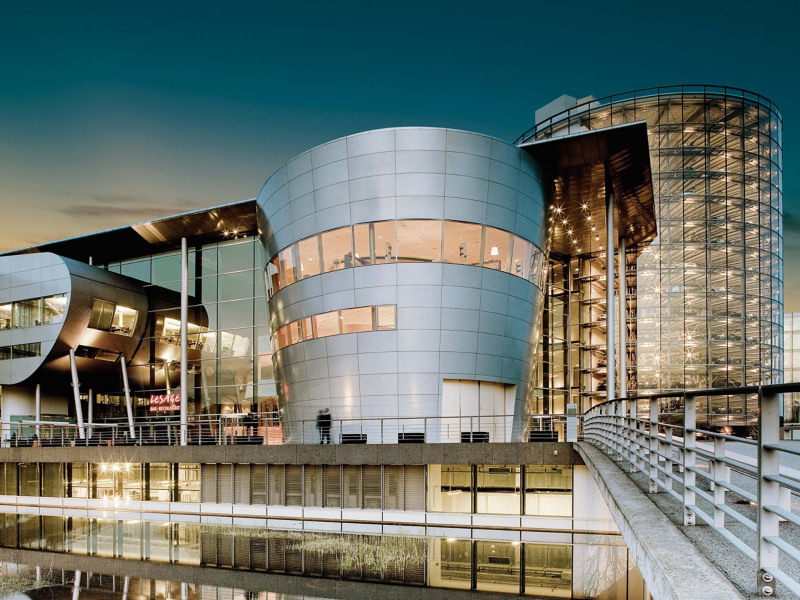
704	302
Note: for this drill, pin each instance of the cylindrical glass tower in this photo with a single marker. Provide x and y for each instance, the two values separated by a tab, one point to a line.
709	290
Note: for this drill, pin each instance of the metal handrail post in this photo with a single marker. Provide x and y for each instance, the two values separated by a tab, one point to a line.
634	432
654	441
767	524
668	457
689	458
720	473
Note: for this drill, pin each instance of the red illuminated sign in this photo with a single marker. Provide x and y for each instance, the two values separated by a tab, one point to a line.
165	402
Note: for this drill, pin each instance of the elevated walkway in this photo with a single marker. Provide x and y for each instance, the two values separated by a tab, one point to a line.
671	565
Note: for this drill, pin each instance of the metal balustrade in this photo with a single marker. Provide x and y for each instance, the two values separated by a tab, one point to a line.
268	429
656	442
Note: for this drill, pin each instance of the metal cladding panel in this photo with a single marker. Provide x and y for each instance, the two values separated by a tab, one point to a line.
441	308
29	276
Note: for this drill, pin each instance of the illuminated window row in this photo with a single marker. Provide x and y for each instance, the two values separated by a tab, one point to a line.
407	241
33	312
20	351
351	320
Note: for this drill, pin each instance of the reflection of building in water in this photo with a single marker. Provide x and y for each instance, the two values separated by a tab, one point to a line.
590	567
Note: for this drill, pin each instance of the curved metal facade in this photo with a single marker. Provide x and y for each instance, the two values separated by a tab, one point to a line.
38	276
453	321
709	296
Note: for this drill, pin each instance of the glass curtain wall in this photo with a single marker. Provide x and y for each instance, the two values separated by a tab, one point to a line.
230	358
709	290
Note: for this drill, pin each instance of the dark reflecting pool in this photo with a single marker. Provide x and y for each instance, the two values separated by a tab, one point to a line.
583	566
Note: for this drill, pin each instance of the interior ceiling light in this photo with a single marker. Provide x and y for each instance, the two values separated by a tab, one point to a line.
494	251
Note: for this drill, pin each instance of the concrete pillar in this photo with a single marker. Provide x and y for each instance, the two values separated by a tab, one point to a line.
90	429
76	391
623	326
611	367
184	335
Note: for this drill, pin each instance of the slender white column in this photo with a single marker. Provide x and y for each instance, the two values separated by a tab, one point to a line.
623	325
38	409
611	367
76	589
128	405
90	429
184	334
76	391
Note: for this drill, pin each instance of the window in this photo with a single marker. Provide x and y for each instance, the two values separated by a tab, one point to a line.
384	242
364	243
326	324
5	316
450	488
419	241
337	251
189	482
26	350
498	489
356	319
54	309
548	490
521	258
235	256
124	321
102	315
5	352
496	249
28	313
308	257
160	482
274	274
286	263
386	319
295	332
79	483
462	243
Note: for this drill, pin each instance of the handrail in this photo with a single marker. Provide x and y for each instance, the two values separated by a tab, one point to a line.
652	445
269	429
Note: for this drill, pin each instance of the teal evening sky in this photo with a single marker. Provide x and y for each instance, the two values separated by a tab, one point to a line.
112	112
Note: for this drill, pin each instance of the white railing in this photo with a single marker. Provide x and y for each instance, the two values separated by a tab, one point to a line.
656	442
269	429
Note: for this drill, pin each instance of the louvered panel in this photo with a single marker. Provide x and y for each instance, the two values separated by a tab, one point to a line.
208	483
312	487
351	475
294	485
225	484
208	550
414	487
241	552
393	487
275	554
371	486
224	550
258	553
332	480
294	559
258	484
275	475
208	592
241	489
